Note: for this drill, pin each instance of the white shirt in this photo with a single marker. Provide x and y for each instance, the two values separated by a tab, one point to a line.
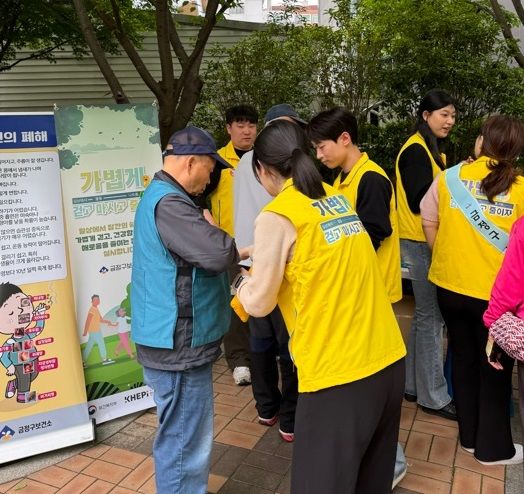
122	325
249	199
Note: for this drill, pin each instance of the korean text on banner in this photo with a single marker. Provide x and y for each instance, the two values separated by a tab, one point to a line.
42	398
108	154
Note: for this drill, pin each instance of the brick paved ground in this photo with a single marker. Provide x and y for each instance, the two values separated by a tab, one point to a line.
250	458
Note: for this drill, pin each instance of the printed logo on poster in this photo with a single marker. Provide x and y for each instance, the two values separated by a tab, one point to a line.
7	433
110	407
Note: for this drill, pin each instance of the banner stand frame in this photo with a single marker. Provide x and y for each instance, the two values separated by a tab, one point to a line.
44	443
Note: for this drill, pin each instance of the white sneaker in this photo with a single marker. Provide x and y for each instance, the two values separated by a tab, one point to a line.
242	376
469	450
515	460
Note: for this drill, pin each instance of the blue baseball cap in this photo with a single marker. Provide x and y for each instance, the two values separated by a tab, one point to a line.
195	141
283	110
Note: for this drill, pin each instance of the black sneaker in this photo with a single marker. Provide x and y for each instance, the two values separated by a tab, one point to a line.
410	398
447	412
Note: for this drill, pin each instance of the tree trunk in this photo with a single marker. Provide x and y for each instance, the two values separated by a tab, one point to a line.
98	53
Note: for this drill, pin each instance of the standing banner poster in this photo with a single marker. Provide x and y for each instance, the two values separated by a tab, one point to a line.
42	396
108	155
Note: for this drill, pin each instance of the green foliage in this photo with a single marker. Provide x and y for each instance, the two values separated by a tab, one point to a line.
277	65
449	44
69	124
126	303
383	143
42	26
383	55
67	158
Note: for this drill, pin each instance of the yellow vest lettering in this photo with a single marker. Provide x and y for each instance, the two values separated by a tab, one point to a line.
341	324
457	240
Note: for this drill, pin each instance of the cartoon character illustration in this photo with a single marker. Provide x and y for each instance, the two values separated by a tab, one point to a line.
123	333
16	316
92	327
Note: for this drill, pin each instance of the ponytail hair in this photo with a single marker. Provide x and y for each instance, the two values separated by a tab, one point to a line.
282	146
502	142
432	101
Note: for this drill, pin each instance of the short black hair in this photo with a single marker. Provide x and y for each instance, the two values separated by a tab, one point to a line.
7	290
241	113
330	124
94	296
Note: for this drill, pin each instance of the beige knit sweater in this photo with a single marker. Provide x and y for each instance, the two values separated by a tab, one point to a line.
273	248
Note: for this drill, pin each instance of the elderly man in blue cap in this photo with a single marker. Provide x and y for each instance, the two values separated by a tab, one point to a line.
180	308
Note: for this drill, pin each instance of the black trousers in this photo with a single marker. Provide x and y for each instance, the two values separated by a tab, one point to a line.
346	436
236	340
482	394
269	340
236	343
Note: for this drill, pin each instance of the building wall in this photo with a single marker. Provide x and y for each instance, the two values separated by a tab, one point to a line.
249	11
37	85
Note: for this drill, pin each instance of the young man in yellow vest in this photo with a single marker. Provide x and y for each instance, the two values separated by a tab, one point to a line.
241	125
334	134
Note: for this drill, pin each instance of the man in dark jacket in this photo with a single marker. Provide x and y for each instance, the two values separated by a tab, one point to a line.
180	308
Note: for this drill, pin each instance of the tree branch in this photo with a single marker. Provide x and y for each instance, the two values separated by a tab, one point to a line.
98	53
37	54
176	43
131	52
519	9
7	31
210	21
506	32
164	45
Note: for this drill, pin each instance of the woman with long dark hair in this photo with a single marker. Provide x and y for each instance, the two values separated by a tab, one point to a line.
419	161
313	257
467	214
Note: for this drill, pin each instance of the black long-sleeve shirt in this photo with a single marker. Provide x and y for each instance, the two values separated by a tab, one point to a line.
373	199
416	174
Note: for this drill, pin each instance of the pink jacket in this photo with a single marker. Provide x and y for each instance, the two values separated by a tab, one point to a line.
507	294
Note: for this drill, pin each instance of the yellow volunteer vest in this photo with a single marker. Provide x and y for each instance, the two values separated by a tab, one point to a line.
463	260
341	324
410	224
222	197
389	251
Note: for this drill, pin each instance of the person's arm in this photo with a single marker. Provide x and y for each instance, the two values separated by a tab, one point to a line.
416	174
185	233
507	294
373	199
429	213
87	323
4	357
275	237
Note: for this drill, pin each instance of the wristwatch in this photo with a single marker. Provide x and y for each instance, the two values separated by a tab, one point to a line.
237	281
